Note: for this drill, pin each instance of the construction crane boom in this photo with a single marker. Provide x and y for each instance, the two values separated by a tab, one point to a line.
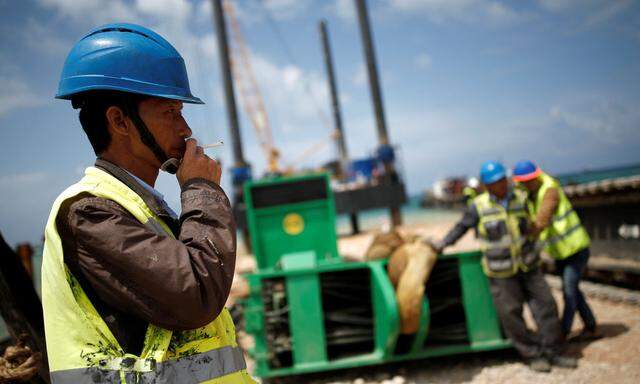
250	95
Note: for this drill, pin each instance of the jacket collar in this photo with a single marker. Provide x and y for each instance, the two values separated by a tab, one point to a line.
149	199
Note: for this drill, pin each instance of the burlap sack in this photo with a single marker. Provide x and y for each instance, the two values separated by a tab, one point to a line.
383	245
410	291
398	263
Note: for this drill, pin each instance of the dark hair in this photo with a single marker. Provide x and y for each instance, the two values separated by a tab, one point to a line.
93	107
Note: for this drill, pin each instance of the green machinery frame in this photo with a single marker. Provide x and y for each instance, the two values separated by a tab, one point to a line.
297	297
270	202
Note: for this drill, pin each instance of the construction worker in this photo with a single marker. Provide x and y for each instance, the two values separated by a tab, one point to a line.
130	292
511	262
563	237
471	190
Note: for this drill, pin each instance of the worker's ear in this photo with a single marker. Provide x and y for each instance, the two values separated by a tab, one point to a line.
117	121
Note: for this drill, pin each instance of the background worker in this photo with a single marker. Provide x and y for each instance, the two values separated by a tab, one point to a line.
471	190
130	292
563	237
511	263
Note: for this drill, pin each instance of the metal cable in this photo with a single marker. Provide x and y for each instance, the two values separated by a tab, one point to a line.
287	51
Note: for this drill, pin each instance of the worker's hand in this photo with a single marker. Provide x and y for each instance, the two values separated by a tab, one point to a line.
436	245
531	230
195	164
534	231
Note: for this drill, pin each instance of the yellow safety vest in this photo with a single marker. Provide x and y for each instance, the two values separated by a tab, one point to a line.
469	194
565	236
505	250
80	346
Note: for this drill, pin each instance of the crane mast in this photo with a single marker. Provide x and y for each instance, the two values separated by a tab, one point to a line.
250	95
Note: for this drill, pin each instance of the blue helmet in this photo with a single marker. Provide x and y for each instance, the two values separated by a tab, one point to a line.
128	58
492	171
525	170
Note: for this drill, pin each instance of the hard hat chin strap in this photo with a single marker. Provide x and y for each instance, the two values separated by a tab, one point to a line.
169	165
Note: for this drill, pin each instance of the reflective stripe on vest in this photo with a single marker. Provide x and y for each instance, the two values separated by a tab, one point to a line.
563	216
489	211
555	239
80	346
505	250
516	207
565	235
191	369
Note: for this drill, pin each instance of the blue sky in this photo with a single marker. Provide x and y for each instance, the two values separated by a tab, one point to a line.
463	81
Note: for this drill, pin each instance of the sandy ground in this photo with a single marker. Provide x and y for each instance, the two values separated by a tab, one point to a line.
354	247
612	359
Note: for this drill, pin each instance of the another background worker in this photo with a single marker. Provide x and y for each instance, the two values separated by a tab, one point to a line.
511	262
471	190
563	237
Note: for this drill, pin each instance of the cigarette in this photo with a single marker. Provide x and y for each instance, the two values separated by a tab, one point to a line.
213	145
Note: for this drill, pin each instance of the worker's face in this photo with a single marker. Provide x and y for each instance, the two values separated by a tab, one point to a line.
531	185
163	118
498	189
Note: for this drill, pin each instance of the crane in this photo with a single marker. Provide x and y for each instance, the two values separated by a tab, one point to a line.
250	94
253	102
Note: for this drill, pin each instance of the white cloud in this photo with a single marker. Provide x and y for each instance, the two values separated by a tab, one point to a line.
344	9
26	200
423	61
489	12
208	45
39	38
294	94
359	77
344	98
204	12
286	9
559	5
607	121
21	180
607	12
175	10
15	93
92	11
250	12
591	12
95	12
297	105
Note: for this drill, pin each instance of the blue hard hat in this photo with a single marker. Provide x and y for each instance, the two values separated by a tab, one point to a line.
525	170
386	153
492	171
128	58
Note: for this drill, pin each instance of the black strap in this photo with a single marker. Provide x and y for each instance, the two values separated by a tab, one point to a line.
167	164
148	198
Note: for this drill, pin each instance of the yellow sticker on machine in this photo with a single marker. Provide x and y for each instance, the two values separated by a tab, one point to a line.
293	224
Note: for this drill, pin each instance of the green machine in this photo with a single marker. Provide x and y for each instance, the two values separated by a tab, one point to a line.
310	311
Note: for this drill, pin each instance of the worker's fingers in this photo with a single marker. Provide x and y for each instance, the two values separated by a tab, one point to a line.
218	171
190	149
196	164
215	168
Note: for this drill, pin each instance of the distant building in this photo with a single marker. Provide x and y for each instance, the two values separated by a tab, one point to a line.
608	202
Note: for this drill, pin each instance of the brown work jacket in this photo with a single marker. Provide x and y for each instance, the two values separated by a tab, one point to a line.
133	276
